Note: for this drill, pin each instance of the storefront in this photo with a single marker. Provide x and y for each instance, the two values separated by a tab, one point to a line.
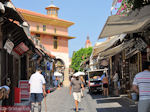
14	46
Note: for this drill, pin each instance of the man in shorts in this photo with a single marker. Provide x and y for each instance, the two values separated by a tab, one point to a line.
37	89
76	84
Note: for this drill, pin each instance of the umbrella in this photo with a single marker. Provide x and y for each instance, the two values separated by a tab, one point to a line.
57	74
78	74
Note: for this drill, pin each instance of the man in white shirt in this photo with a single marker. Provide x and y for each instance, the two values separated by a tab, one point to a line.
37	89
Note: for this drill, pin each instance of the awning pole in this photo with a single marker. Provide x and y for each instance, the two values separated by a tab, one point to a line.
110	60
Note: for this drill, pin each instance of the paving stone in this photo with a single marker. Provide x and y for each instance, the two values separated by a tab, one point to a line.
61	101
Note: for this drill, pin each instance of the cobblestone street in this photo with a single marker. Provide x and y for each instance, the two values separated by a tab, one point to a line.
61	101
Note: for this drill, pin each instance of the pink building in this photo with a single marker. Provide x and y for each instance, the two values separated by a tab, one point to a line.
52	32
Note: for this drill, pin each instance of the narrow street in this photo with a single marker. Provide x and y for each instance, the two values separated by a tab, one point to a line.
61	101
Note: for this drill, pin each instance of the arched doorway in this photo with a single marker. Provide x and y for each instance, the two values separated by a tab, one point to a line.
60	67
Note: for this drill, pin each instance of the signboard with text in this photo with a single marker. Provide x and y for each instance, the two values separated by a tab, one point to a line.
9	46
25	89
21	48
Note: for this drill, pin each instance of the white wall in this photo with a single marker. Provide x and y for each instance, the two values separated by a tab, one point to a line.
63	56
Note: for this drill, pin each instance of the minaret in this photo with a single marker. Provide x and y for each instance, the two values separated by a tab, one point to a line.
52	10
88	42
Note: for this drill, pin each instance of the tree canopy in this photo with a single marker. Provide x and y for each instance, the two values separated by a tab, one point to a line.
80	56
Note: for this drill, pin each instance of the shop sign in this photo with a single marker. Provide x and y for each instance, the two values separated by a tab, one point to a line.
138	45
9	46
25	89
21	48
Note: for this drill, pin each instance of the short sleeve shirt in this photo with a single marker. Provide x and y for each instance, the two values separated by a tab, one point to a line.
36	82
142	80
76	85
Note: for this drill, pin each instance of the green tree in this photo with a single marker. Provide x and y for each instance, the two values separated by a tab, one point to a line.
80	56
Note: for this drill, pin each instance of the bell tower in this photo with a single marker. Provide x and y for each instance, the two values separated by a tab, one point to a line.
52	10
88	42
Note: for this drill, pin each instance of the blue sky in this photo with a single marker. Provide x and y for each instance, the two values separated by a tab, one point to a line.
89	17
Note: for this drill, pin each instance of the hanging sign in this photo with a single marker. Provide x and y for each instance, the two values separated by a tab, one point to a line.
9	46
21	48
25	89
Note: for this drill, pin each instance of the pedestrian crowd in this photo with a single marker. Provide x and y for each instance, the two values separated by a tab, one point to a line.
141	85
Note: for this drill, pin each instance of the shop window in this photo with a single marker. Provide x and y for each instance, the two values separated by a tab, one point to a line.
37	27
55	43
44	27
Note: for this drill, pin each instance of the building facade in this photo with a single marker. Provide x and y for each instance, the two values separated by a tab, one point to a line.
52	33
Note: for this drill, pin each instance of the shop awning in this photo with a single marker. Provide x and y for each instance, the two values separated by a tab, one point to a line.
16	29
107	44
115	50
135	22
11	13
3	1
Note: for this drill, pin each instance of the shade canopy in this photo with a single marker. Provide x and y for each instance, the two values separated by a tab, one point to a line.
115	50
78	74
57	74
107	44
136	21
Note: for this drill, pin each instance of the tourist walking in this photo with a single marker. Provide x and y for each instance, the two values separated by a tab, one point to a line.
77	85
141	85
37	89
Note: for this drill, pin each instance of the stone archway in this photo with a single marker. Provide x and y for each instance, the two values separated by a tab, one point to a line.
63	59
60	65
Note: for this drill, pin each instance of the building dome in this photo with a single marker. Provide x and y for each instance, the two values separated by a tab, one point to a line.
51	6
52	10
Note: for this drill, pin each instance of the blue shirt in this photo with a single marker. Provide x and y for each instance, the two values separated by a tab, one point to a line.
102	76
